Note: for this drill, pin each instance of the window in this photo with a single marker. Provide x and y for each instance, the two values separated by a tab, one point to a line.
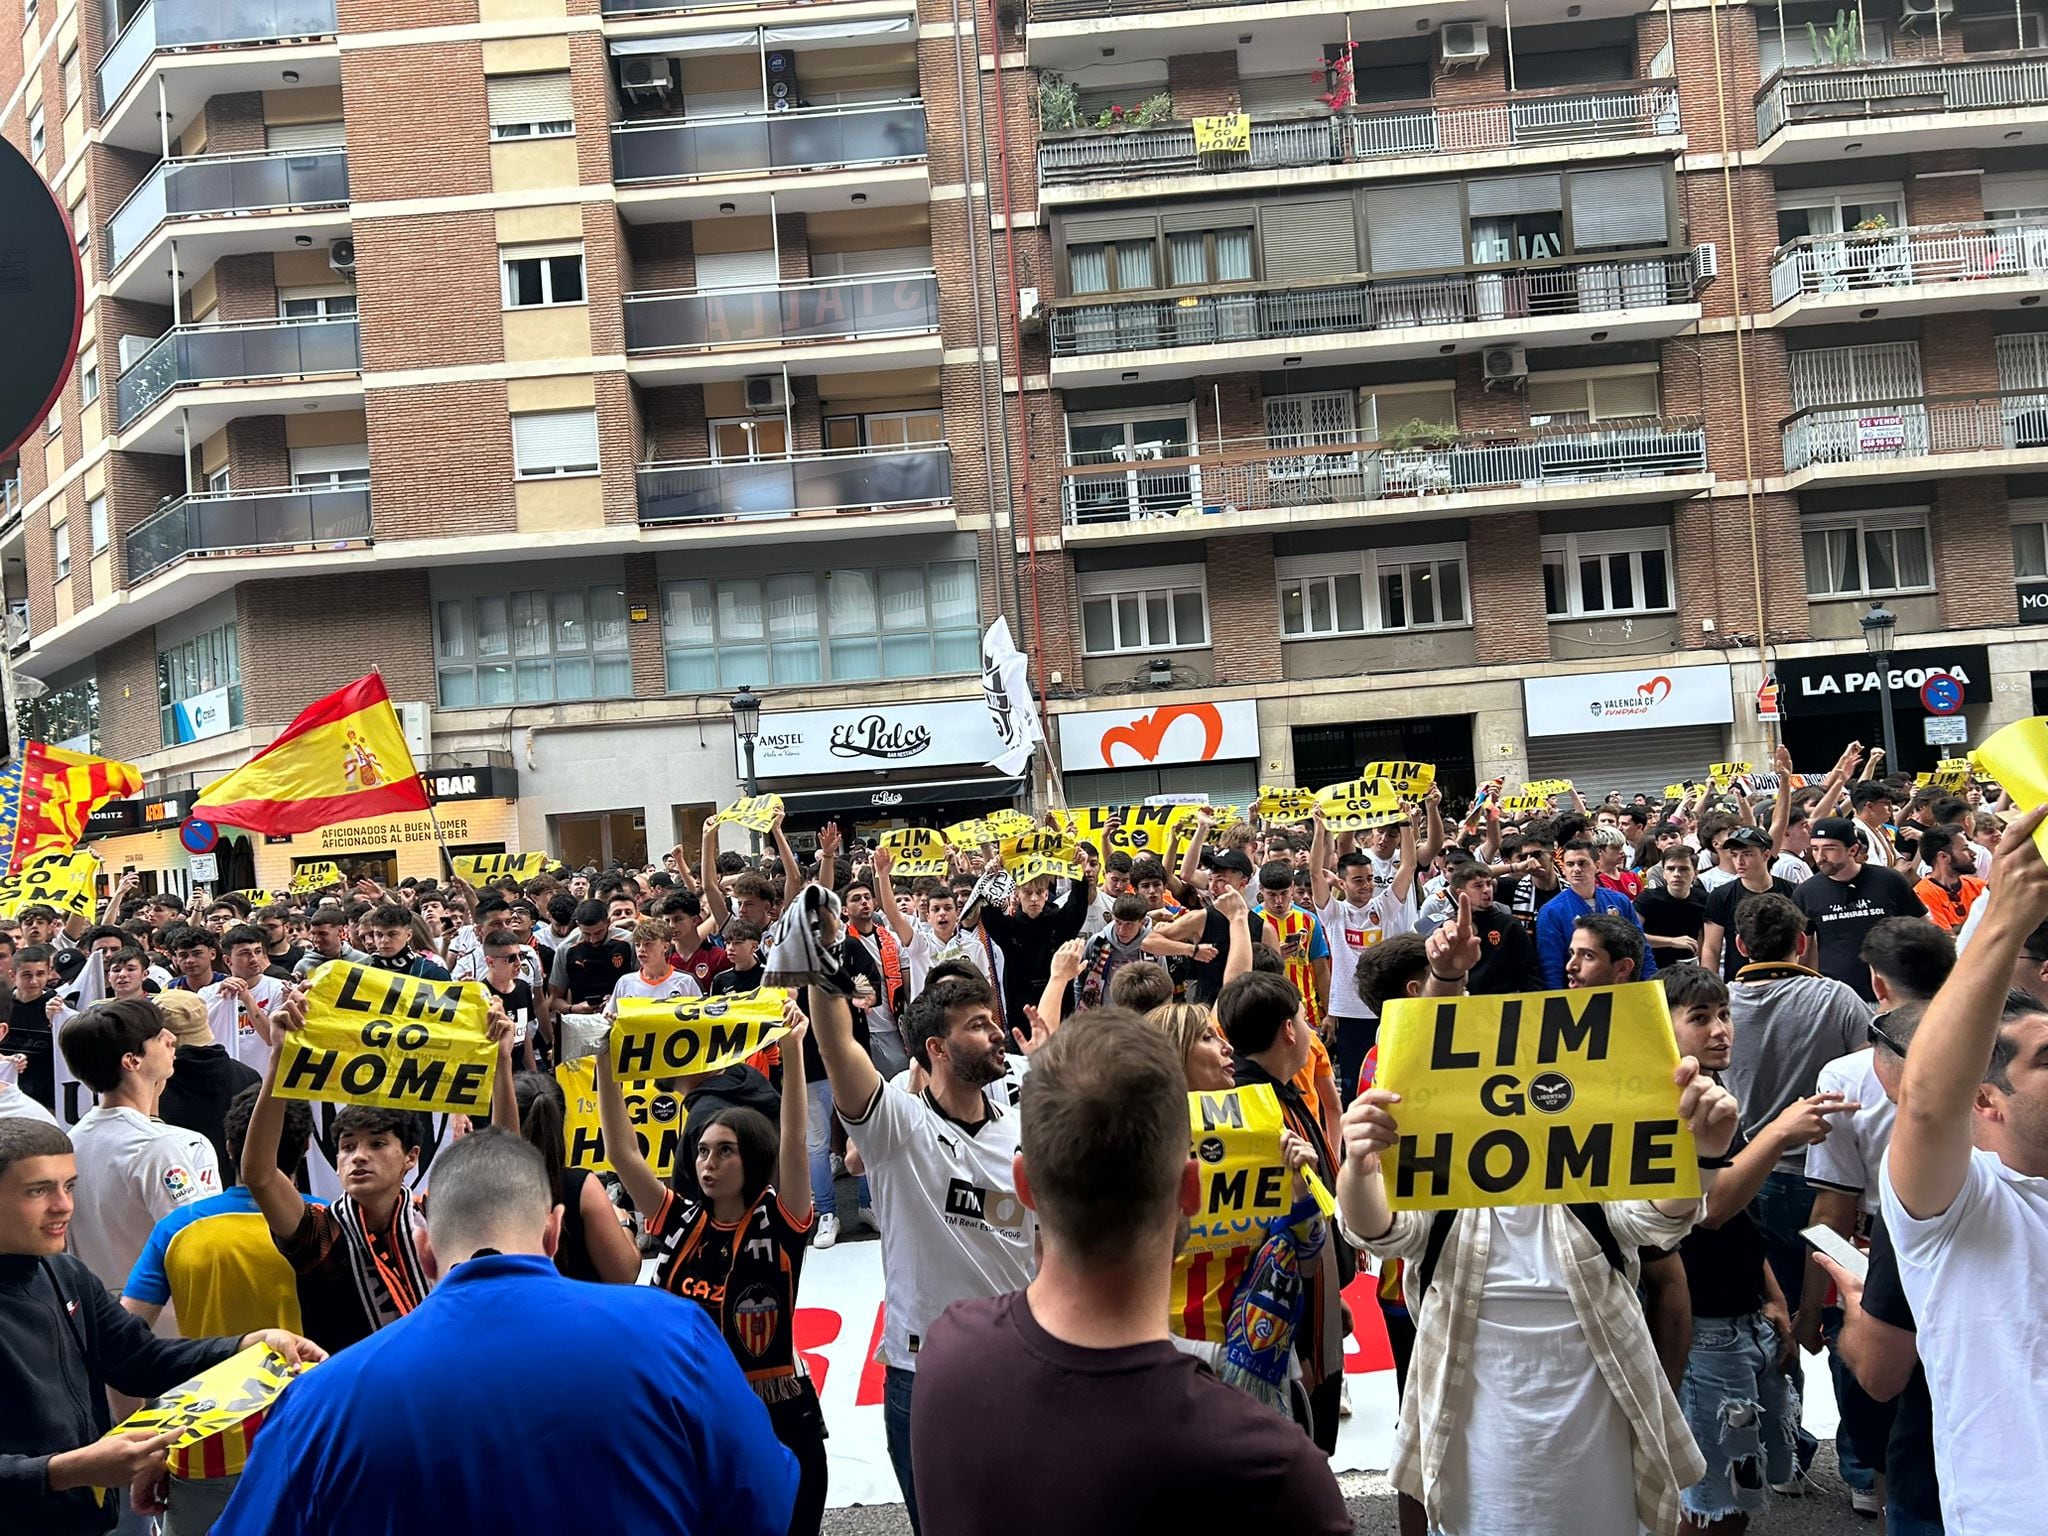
886	429
60	549
1793	47
1137	440
532	647
530	107
1599	575
37	138
96	521
748	439
54	422
1121	266
340	467
2030	551
70	67
555	443
1156	608
1373	592
847	624
2003	33
89	378
1866	554
204	664
531	278
2016	195
81	227
1200	258
316	306
1561	402
1838	210
219	482
1383	412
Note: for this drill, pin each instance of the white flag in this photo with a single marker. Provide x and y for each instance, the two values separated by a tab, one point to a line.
1005	684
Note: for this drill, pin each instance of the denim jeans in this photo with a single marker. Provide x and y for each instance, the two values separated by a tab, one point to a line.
896	1388
1900	1522
1782	1209
818	1142
1738	1404
1353	1037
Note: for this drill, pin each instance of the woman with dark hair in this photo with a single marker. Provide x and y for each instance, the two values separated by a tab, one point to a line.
738	1251
593	1245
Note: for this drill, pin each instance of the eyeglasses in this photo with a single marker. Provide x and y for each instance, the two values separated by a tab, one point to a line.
1875	1033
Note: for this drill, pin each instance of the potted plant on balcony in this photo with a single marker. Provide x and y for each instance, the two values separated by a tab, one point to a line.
1838	47
1335	72
1149	113
1059	105
1412	464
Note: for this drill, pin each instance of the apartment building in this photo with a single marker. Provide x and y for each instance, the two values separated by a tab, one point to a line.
1509	387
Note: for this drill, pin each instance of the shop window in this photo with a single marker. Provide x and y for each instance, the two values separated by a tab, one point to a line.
189	674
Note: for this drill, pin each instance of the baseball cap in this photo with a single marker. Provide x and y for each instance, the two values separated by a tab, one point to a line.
1835	829
185	1015
1234	862
1749	837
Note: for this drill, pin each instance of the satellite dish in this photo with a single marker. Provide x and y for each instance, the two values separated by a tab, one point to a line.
41	299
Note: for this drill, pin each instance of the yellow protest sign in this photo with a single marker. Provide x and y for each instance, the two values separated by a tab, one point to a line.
971	835
1721	773
1245	1184
1032	855
1951	773
1009	822
316	873
1229	134
382	1037
1285	806
1525	805
62	880
665	1038
1676	791
756	813
1535	1098
1359	805
476	868
1410	780
917	851
656	1113
256	899
1545	788
216	1400
2017	757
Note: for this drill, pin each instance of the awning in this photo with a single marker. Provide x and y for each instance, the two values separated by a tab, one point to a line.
681	43
891	797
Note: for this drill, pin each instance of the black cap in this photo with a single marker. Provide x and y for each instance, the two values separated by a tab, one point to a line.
1748	837
1234	862
1837	829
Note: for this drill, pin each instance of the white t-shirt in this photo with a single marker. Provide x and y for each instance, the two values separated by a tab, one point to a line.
1983	1341
1790	867
1383	870
1351	930
1848	1158
132	1170
952	1225
231	1026
16	1104
926	950
678	983
473	967
1714	877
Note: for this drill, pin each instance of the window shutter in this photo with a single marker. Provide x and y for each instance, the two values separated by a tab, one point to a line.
529	99
343	457
1294	91
1499	196
736	269
1619	208
1855	375
2022	360
1130	226
2008	190
1309	239
1412	229
305	135
1209	216
544	440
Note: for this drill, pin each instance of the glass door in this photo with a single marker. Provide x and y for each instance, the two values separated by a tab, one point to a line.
1139	492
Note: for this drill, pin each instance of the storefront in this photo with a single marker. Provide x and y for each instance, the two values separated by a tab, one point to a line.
478	806
1333	754
1123	756
142	835
1632	731
1829	701
881	766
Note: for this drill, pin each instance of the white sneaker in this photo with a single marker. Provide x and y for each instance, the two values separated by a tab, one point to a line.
1796	1489
1867	1502
828	1230
1344	1400
867	1218
838	1166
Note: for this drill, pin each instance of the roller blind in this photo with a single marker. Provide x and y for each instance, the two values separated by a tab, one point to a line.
1500	196
303	135
1181	220
1415	228
1619	208
1302	240
544	441
529	99
1130	226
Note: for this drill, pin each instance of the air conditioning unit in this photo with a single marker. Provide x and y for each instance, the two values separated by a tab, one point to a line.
1504	365
644	76
1463	42
1030	306
1706	263
764	392
414	724
1924	10
132	348
341	255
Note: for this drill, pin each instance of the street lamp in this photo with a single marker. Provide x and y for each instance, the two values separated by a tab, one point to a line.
1879	625
746	725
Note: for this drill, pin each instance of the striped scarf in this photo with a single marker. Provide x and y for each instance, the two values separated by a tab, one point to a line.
388	1290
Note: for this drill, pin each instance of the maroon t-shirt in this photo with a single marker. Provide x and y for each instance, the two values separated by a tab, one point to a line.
1143	1438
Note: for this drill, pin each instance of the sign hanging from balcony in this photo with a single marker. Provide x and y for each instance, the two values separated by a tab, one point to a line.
874	739
1883	433
1228	135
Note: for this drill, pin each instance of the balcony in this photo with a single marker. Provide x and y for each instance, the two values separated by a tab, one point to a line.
1818	113
10	503
1180	334
243	353
841	323
718	152
1913	271
206	26
1257	484
17	627
822	486
225	205
1888	440
1375	141
248	523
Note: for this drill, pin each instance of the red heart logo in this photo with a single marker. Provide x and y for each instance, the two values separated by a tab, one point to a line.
1145	734
1656	690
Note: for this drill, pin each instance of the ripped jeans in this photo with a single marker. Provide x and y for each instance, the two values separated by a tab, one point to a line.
1739	1408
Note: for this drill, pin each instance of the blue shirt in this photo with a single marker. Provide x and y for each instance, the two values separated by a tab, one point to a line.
512	1399
1560	914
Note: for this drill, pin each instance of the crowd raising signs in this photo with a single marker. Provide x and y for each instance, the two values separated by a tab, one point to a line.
1538	1098
1235	1137
60	880
662	1038
379	1037
476	868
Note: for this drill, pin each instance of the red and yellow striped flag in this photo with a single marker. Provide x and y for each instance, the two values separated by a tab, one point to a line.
343	759
59	790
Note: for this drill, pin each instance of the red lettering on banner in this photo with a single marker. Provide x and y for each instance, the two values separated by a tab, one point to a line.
814	1328
1368	1328
871	1378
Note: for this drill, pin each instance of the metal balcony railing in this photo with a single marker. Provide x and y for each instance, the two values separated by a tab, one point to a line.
1858	262
818	309
809	138
1205	317
227	184
1899	429
1831	93
248	350
254	522
1527	120
832	482
205	24
1259	476
1077	10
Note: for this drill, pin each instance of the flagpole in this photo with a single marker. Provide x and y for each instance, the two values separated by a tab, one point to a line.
447	858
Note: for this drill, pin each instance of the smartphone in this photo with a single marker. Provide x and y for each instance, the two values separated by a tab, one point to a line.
1828	1241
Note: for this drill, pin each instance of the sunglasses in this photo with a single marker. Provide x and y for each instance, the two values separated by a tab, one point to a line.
1875	1033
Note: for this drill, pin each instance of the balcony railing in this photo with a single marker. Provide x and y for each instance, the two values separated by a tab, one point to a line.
819	309
810	138
205	24
849	480
1077	10
1223	315
251	350
1901	429
1528	120
1831	93
252	522
227	184
1904	258
1257	476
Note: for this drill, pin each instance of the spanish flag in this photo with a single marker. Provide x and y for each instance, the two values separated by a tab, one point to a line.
343	759
58	791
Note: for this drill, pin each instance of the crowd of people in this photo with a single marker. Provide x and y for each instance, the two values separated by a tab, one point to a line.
994	1073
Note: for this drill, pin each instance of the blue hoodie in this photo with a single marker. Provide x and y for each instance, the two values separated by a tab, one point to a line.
1561	914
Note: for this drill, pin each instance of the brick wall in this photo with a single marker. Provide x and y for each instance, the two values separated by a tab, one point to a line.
137	485
418	123
1202	84
1972	537
391	15
441	460
428	290
618	446
126	673
1957	357
1507	586
246	287
1244	624
326	625
1715	576
793	247
1693	69
643	641
672	422
234	123
1944	188
657	256
257	454
606	269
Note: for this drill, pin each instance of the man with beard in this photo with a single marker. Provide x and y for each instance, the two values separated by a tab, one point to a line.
1951	887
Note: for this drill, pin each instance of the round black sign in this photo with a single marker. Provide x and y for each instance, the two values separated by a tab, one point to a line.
42	298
